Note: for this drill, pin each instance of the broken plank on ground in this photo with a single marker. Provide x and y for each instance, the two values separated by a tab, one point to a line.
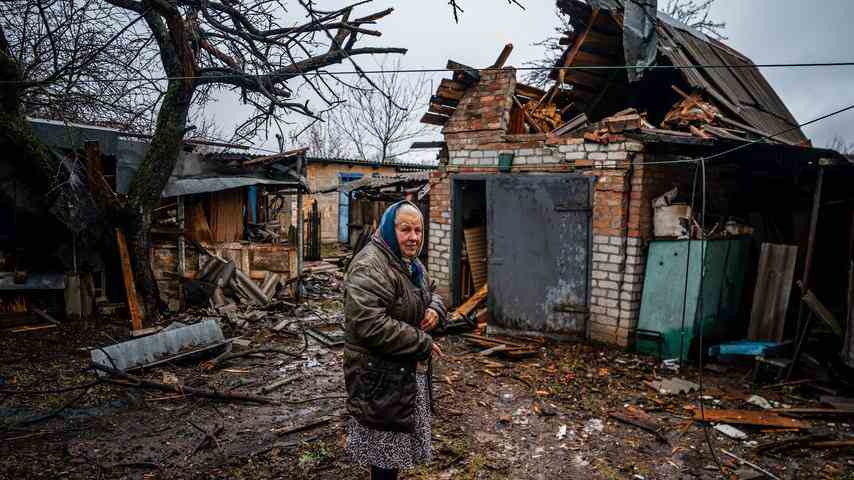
749	417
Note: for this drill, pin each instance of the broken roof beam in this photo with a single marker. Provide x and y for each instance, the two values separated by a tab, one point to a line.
434	119
449	102
503	56
442	109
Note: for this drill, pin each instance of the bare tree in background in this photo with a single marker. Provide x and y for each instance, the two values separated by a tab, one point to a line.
690	12
323	139
840	145
381	120
256	50
695	14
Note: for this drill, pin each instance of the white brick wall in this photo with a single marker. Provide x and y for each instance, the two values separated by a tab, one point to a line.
616	290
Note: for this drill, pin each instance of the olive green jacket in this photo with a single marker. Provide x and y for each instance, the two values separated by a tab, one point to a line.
383	310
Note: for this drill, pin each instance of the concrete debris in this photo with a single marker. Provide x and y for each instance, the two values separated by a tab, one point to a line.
759	402
731	431
673	386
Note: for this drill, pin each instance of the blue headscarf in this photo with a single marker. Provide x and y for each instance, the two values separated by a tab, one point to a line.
389	236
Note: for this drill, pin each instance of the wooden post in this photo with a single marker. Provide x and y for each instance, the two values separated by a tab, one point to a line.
803	325
94	165
805	278
182	242
130	287
300	229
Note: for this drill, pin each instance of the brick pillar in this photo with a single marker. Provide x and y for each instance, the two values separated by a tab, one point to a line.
439	253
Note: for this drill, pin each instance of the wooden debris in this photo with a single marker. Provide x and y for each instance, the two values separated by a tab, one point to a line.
765	418
470	305
576	122
128	380
44	315
751	465
623	121
503	56
32	328
495	349
639	418
130	287
299	428
822	312
209	440
277	384
220	360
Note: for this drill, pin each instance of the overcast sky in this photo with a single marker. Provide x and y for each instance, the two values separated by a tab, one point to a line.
767	31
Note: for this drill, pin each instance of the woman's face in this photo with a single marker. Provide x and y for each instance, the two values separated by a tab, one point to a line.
409	231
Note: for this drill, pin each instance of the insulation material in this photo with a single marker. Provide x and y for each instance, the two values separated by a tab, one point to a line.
197	227
226	215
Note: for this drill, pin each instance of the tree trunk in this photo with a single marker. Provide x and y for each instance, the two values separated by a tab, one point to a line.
148	184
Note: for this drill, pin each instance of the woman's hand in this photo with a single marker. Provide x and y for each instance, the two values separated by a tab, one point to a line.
430	320
437	351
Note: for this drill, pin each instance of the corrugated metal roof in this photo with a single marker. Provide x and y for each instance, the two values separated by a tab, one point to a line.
194	185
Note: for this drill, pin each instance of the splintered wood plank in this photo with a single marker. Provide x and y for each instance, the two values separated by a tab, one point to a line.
433	119
130	287
476	248
749	417
471	303
774	283
442	109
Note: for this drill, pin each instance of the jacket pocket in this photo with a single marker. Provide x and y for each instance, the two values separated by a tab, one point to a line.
368	384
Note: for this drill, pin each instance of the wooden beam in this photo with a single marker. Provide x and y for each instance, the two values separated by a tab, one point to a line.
130	287
749	417
442	109
433	119
418	145
450	102
502	57
528	91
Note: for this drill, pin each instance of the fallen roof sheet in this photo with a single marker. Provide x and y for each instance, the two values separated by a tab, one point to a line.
193	185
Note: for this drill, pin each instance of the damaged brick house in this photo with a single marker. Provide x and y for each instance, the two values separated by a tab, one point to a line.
561	182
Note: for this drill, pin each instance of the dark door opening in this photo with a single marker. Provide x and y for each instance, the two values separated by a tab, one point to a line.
469	238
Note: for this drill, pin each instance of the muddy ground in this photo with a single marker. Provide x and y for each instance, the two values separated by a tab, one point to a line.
494	418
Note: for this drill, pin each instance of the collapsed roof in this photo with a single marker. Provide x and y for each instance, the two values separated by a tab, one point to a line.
727	98
735	84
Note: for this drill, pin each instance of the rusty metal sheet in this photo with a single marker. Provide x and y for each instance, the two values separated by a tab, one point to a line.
750	417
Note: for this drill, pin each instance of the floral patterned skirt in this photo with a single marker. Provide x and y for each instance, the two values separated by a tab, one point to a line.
394	450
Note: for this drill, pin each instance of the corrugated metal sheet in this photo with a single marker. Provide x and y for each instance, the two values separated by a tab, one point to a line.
194	185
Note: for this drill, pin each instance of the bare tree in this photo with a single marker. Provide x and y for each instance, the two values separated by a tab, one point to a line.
323	139
255	49
690	12
380	119
840	145
695	14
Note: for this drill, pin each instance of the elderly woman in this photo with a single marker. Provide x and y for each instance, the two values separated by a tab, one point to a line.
390	309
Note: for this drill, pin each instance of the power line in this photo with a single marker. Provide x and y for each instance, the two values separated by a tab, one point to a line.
445	70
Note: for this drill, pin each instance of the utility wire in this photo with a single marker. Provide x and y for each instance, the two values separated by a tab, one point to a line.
443	70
